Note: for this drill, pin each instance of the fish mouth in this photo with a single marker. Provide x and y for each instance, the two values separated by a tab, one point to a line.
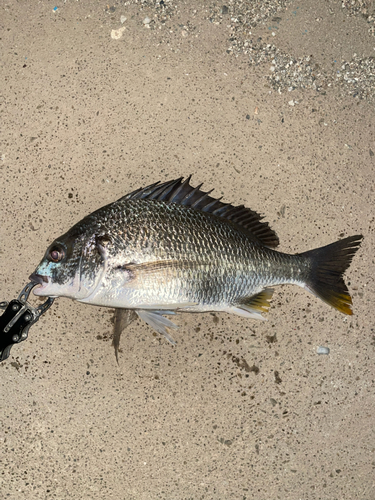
40	280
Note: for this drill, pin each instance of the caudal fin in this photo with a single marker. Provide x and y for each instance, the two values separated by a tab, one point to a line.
327	266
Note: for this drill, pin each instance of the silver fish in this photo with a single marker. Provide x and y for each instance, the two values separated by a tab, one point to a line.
171	247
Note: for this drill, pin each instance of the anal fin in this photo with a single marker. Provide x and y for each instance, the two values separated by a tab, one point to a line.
254	306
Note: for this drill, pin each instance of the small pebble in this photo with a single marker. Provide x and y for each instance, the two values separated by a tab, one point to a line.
122	19
291	103
146	20
117	34
322	350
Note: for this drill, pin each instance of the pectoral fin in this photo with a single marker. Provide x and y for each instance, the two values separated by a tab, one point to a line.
143	273
168	307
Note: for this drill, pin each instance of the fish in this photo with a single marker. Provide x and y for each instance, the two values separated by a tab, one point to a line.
171	247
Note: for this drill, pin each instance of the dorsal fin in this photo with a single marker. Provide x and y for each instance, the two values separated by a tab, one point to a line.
181	192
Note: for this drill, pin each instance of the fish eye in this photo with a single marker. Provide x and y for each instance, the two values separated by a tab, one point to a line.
56	254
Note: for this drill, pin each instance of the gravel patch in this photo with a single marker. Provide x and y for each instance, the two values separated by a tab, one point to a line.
364	8
284	72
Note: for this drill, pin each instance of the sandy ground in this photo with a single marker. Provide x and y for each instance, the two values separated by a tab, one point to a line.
239	409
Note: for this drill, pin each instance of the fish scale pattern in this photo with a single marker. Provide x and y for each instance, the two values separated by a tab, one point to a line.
207	259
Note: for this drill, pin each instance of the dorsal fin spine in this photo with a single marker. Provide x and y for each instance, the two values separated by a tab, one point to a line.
178	189
208	207
189	195
205	195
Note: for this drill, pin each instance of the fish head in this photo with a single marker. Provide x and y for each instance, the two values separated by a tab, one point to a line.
71	267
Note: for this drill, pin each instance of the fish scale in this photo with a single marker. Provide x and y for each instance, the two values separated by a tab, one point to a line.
215	253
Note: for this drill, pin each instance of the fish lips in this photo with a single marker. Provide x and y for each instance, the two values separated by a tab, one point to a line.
40	280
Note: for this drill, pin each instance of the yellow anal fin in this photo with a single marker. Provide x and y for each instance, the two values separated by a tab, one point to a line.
259	303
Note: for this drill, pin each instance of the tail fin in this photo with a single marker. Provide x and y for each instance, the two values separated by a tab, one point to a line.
327	266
